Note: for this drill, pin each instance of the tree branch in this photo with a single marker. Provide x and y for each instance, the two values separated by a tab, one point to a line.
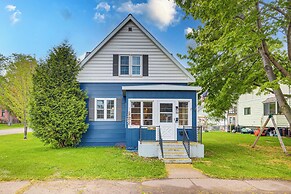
271	91
275	8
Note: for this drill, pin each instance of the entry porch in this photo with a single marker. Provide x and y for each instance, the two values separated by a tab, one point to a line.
186	146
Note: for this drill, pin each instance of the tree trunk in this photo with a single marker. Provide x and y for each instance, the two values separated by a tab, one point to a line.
285	108
25	130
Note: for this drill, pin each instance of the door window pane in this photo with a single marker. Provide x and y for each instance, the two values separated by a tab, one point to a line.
166	107
166	112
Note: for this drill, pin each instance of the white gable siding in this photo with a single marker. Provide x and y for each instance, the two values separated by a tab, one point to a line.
255	102
161	68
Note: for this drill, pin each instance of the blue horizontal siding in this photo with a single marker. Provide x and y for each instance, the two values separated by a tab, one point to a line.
109	133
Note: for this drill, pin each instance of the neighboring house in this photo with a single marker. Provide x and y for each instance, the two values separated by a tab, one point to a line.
210	123
253	109
132	81
6	117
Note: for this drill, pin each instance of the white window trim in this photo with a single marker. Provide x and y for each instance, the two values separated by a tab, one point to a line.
141	113
140	66
189	112
130	66
155	110
105	109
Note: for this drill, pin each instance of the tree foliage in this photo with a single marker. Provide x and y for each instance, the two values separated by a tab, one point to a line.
241	45
58	108
16	85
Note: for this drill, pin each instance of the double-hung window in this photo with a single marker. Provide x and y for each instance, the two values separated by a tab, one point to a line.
124	65
136	65
247	111
130	65
183	113
105	109
141	113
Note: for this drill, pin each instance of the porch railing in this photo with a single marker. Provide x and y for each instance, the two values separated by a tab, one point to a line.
161	142
194	130
186	141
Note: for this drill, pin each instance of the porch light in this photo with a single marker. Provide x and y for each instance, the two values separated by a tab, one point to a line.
177	109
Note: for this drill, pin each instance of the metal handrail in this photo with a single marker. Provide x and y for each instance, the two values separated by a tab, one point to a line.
198	132
186	141
161	142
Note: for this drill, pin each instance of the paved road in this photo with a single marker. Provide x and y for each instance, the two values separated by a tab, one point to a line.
13	131
181	179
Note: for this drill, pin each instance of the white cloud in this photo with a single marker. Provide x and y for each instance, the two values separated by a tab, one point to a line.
15	17
99	17
103	5
161	12
10	7
188	31
129	7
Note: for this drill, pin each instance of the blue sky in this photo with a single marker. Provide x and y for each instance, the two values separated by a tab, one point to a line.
35	26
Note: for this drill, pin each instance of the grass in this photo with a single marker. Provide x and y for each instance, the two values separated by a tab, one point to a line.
31	160
13	126
230	156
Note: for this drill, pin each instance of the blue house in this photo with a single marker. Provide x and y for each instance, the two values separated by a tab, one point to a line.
139	95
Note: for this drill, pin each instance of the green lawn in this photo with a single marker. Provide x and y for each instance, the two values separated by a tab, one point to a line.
229	155
13	126
30	159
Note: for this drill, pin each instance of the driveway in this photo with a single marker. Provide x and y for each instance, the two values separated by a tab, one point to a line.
181	179
13	131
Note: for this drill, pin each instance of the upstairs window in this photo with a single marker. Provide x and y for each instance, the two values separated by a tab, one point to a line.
136	65
124	65
247	111
130	65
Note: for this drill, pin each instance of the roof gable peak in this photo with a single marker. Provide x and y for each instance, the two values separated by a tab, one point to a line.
149	35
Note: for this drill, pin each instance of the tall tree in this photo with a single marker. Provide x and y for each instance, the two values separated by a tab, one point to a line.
16	84
241	45
58	108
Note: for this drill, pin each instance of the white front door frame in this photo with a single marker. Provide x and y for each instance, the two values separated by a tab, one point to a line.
156	112
168	129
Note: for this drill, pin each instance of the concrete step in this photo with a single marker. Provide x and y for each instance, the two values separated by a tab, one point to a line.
177	160
176	156
174	150
181	152
173	145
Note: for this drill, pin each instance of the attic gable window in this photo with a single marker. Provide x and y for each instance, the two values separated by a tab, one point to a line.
130	65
